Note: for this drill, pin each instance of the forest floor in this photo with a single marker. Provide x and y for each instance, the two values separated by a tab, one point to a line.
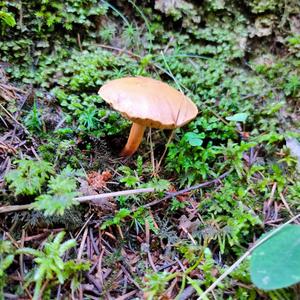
199	200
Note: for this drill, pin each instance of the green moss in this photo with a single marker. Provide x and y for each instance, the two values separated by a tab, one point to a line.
260	6
231	61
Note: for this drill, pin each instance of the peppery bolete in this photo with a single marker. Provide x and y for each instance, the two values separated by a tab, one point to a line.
147	103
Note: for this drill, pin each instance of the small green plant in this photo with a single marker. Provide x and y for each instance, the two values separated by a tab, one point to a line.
130	178
159	185
33	119
192	160
233	155
292	86
50	266
68	14
138	219
107	33
60	195
228	221
130	35
117	219
155	284
258	6
29	176
207	267
6	259
88	119
177	205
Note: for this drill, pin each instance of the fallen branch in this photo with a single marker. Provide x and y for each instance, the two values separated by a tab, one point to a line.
100	197
194	187
93	198
96	198
11	208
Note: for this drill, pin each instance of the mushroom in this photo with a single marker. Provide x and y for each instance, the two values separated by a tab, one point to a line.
148	103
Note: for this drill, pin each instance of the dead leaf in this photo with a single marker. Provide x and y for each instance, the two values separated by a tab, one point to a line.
85	189
106	175
98	181
187	225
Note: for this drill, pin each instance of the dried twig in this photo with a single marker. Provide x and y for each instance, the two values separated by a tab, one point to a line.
83	239
119	50
99	274
93	198
15	120
98	198
194	187
84	226
130	277
127	296
287	206
147	239
187	293
11	208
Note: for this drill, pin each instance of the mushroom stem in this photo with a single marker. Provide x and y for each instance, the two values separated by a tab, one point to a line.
134	139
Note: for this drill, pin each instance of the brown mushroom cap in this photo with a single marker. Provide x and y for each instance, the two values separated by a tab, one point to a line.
149	102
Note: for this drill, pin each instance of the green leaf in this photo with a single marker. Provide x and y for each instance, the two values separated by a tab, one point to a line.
50	264
5	263
130	181
66	246
194	139
240	117
275	264
7	18
30	251
59	238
